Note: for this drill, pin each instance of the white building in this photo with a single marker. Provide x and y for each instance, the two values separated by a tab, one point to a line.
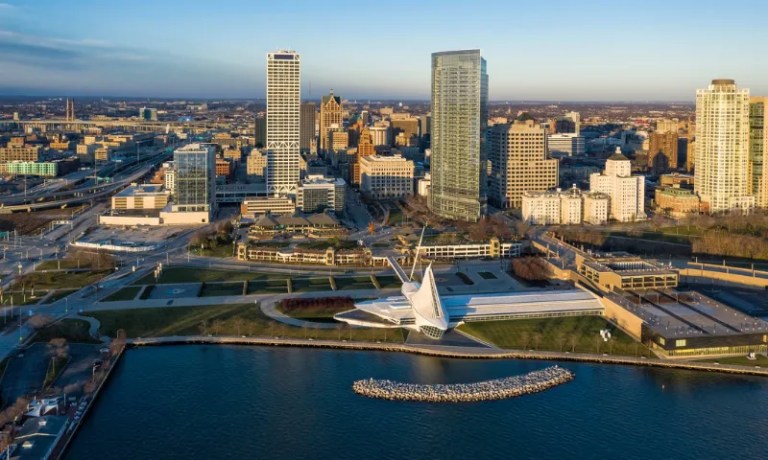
253	206
596	207
256	166
380	134
318	193
723	179
423	185
283	125
386	176
570	207
626	192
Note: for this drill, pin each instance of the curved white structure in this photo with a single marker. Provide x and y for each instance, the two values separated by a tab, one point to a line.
431	318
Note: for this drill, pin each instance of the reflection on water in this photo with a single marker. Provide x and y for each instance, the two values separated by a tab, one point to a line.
239	402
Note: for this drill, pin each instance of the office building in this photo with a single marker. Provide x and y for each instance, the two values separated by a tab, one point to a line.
148	114
256	166
338	139
407	128
308	142
320	193
364	149
662	152
757	142
195	190
254	206
331	119
569	123
519	163
140	197
386	176
380	135
459	118
665	125
18	150
566	145
260	135
626	192
283	121
722	147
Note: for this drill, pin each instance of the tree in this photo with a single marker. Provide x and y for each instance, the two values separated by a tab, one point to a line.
203	327
39	321
217	325
238	324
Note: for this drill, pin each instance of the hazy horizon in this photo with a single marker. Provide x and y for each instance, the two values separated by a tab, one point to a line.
554	52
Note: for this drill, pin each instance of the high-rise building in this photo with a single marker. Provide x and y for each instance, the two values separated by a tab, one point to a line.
195	178
722	147
331	119
662	151
308	142
283	121
386	176
626	192
758	135
148	114
569	123
364	149
260	134
519	163
256	166
459	119
319	193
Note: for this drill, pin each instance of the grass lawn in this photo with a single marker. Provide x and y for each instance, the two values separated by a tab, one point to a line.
235	319
760	360
59	294
577	334
388	281
59	280
314	312
488	276
63	264
268	287
126	293
191	275
353	282
222	250
311	284
221	289
74	330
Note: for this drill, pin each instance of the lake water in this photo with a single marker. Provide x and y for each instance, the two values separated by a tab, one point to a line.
229	402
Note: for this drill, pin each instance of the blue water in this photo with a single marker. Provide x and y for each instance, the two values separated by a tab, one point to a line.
227	402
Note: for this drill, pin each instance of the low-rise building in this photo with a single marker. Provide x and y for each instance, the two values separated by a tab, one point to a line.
493	248
145	196
386	176
313	225
319	193
256	206
256	166
625	272
566	144
676	201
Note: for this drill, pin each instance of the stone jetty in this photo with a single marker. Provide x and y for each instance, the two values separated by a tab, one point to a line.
508	387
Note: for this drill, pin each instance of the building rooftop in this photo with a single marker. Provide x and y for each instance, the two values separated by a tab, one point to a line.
143	189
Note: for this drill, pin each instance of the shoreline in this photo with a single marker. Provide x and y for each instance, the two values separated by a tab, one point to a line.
452	352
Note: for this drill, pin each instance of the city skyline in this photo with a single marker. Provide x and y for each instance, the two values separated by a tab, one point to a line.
534	53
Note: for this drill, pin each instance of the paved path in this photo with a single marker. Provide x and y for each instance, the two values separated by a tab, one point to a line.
457	352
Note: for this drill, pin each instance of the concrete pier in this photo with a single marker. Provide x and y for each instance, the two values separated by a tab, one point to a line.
509	387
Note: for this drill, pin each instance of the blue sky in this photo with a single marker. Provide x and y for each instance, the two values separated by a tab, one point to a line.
555	50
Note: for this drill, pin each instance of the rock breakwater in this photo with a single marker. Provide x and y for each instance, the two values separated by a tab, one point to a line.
509	387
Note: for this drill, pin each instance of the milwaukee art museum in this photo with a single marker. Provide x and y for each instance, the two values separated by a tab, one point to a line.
421	308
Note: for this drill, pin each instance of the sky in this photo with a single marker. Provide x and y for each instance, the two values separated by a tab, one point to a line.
554	50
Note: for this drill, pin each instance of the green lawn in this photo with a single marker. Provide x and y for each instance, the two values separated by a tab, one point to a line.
74	330
578	334
388	281
221	289
63	264
235	319
268	287
222	250
58	280
191	275
126	293
353	282
311	284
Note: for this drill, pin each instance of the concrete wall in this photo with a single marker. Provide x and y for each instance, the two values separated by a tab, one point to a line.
725	277
625	320
128	220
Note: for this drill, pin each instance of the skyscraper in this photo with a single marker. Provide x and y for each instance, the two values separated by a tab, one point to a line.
459	119
331	114
757	142
308	141
722	147
283	121
518	155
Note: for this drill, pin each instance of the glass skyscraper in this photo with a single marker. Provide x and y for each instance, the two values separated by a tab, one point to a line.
459	119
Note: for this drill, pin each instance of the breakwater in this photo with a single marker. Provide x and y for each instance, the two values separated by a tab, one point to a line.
509	387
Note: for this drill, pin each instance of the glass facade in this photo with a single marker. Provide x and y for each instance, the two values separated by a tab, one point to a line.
195	178
757	136
459	119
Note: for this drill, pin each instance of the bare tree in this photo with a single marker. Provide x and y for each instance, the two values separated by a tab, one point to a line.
39	321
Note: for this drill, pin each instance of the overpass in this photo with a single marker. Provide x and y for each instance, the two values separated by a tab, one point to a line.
131	124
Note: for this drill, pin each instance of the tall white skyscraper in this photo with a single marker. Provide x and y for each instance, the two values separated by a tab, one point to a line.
283	121
723	179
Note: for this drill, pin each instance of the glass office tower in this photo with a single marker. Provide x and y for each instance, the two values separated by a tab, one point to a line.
195	178
459	119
